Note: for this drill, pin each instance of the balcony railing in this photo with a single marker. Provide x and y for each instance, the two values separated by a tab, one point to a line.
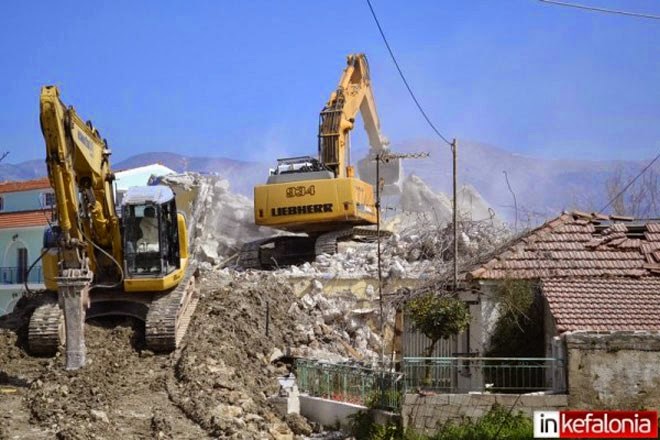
18	275
498	375
350	383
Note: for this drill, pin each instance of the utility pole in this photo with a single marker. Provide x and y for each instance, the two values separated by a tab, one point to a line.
454	157
380	269
385	157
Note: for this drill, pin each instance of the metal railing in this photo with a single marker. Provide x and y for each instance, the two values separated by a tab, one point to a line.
18	275
494	374
350	383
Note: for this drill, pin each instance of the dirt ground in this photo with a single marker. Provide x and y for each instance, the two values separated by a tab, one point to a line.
215	386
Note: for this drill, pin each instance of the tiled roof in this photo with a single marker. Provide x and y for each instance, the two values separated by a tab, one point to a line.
604	303
579	245
24	185
24	219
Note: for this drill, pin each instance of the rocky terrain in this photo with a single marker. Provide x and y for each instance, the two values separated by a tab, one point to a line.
245	333
216	386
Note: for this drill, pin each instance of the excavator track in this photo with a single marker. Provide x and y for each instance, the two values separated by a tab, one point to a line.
327	243
249	255
364	232
290	250
46	328
170	313
274	252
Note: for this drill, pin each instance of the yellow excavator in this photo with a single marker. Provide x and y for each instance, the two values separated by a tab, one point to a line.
100	263
321	196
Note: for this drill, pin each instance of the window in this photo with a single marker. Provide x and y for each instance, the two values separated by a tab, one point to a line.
2	204
47	200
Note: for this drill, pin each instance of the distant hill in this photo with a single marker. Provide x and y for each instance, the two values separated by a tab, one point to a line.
542	187
242	175
30	169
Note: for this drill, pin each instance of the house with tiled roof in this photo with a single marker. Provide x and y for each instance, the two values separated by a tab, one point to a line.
25	211
597	281
594	272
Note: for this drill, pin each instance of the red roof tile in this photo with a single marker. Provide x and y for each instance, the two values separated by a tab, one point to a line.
24	219
24	185
577	244
604	303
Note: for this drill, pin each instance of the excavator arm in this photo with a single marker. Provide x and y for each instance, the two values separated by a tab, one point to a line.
79	172
87	241
354	94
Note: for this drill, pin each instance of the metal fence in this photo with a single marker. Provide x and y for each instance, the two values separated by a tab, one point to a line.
496	374
350	383
18	275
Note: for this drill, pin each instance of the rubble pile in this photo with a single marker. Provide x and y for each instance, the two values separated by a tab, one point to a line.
421	237
241	339
119	394
410	252
228	219
246	330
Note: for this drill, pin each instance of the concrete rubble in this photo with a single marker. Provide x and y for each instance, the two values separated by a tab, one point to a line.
223	382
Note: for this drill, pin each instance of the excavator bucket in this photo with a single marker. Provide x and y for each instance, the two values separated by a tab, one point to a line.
390	173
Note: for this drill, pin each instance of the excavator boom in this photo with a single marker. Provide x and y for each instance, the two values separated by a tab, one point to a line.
354	95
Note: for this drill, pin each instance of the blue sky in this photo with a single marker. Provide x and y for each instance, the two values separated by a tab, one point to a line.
247	79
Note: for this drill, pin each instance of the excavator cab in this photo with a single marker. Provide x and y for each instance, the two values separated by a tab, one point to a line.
151	239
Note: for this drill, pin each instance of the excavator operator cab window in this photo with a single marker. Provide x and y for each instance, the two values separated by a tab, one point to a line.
151	245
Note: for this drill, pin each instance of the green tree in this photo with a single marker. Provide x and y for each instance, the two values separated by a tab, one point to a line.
437	317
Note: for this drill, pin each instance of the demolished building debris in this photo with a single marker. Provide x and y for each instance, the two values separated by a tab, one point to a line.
248	327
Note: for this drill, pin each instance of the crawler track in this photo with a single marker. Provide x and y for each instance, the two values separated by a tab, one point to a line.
288	250
46	328
170	313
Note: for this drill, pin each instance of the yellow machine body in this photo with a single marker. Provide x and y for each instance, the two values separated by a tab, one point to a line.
314	205
79	172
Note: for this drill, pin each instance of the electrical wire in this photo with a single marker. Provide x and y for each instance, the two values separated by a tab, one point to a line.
608	11
625	188
403	77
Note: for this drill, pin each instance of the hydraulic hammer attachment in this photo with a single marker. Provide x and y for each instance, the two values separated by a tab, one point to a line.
73	289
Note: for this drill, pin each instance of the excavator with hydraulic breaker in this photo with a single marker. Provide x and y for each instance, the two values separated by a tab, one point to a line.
321	196
97	261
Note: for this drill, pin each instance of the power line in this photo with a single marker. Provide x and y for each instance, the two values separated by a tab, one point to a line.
630	183
403	77
608	11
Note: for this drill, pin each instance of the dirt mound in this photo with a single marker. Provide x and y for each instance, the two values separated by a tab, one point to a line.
217	385
120	393
236	348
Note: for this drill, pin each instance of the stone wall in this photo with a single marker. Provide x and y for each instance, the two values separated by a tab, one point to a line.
425	414
613	369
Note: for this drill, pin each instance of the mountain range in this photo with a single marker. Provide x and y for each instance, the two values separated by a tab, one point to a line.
538	187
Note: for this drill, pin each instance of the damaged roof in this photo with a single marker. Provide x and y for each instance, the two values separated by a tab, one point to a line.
577	244
596	272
